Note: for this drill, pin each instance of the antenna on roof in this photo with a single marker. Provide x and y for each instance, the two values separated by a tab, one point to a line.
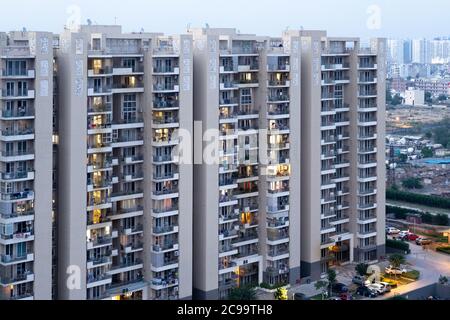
24	29
206	25
142	30
188	27
89	22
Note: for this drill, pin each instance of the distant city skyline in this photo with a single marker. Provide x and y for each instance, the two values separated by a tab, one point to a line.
364	18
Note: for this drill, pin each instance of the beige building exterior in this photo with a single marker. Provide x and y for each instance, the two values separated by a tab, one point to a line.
343	126
125	200
26	82
185	166
246	204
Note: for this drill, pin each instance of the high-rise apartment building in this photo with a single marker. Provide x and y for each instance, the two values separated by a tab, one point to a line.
186	166
343	155
246	204
26	101
124	196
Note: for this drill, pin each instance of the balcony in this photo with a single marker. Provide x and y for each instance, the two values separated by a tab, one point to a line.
18	236
19	278
166	104
100	241
104	90
229	101
21	175
163	230
22	113
95	72
18	196
18	74
165	88
166	122
278	67
163	283
279	98
9	134
13	259
26	94
165	211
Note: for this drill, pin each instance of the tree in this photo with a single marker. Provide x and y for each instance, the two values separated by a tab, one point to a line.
331	276
242	293
361	269
402	158
322	286
427	152
412	183
397	260
281	294
388	97
428	135
443	280
442	97
396	100
428	97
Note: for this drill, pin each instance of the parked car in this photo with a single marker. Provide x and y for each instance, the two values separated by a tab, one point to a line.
366	292
377	287
403	233
300	296
387	287
393	270
392	230
410	237
423	241
339	288
346	296
361	280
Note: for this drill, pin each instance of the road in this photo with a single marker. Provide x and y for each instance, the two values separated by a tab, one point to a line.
430	264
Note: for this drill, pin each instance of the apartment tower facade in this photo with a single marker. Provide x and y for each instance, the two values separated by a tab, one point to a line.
343	154
246	204
125	222
26	81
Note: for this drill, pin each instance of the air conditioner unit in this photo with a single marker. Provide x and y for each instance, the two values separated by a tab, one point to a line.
176	253
141	59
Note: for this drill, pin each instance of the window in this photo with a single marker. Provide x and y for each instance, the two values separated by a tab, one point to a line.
129	107
129	63
246	96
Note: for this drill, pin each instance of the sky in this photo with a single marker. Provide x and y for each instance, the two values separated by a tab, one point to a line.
363	18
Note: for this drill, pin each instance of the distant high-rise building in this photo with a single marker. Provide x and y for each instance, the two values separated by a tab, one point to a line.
407	51
421	51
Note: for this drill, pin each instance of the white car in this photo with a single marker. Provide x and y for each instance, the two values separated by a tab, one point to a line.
392	270
376	287
392	230
386	286
402	234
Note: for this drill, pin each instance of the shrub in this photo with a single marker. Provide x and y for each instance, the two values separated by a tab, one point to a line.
397	244
432	201
242	293
268	286
413	274
444	249
391	282
397	260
